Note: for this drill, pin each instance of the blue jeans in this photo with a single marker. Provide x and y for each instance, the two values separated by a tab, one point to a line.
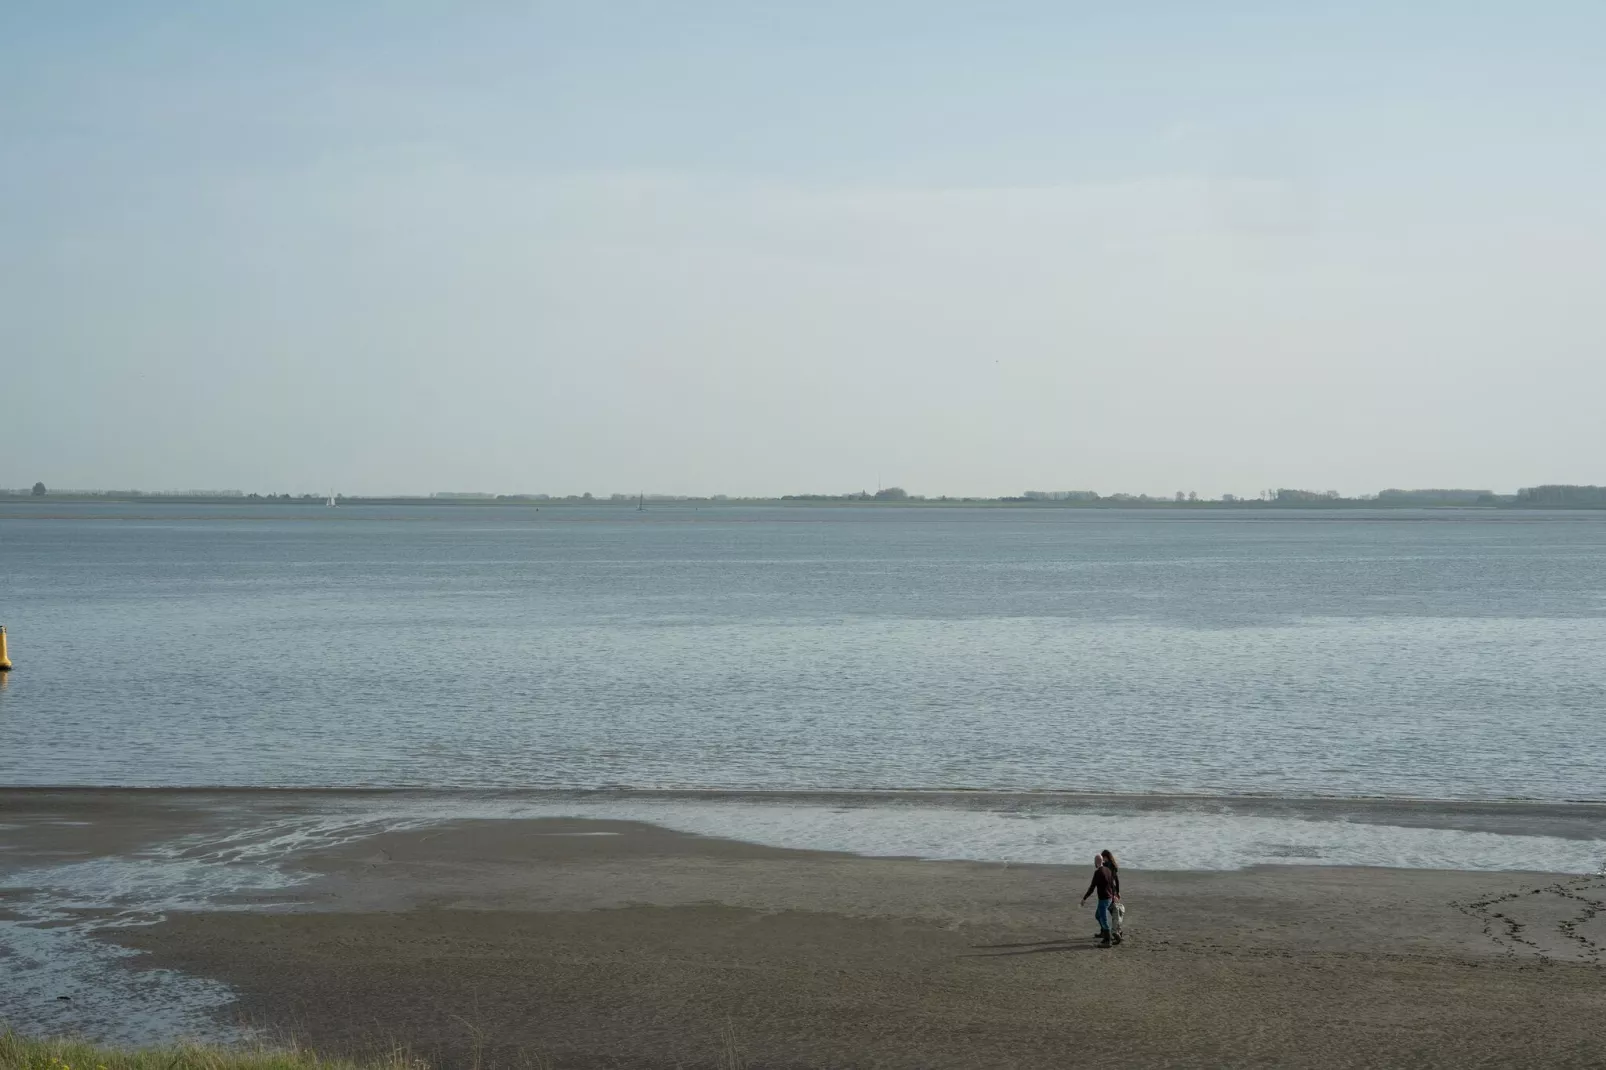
1103	914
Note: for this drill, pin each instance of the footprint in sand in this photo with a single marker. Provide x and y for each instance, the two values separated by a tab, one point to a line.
1564	921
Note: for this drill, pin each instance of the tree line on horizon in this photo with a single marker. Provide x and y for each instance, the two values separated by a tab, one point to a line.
1544	496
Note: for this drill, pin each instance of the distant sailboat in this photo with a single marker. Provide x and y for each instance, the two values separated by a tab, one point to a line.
331	499
641	503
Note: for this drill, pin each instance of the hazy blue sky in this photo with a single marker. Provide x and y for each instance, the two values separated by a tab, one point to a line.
739	247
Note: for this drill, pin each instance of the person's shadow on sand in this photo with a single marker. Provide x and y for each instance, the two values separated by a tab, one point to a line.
1031	947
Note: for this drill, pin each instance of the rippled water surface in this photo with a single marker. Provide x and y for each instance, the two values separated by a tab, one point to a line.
1415	654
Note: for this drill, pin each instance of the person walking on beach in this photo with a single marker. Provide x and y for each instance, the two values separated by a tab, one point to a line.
1103	884
1117	910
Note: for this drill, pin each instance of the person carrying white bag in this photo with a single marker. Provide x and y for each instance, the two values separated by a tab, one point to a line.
1103	884
1117	908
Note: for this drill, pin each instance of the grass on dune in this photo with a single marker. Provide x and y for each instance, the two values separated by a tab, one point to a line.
21	1053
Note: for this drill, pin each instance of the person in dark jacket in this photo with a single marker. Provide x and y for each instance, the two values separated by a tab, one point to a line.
1103	884
1116	909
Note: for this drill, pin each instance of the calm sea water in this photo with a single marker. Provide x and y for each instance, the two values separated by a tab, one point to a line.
1411	654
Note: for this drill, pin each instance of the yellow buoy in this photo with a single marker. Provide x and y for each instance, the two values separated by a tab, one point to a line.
5	662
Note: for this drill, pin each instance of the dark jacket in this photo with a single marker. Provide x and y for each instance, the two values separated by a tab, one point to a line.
1103	883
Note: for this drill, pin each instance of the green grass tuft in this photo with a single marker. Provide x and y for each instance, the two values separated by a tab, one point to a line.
20	1053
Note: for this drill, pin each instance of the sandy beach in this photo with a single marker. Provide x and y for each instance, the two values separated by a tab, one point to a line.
605	943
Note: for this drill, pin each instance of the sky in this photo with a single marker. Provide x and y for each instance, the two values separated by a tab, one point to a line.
739	248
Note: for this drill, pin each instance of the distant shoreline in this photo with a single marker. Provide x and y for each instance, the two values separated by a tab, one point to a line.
506	501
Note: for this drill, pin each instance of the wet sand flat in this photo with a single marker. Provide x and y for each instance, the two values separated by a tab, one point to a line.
603	943
595	944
